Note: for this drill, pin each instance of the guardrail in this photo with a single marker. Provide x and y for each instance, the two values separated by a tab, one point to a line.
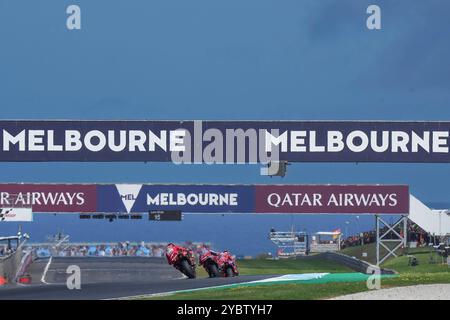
10	264
353	263
25	263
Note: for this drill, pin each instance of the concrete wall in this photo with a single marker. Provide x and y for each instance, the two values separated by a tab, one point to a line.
352	263
10	264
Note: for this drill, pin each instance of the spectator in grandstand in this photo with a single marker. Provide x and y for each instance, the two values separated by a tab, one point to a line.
414	234
119	249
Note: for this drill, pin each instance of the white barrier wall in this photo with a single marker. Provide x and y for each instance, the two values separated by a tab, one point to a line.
436	222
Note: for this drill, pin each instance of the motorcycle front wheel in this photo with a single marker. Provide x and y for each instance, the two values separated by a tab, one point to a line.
229	272
187	269
213	271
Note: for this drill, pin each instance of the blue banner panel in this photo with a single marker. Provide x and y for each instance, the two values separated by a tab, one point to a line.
225	141
132	198
109	199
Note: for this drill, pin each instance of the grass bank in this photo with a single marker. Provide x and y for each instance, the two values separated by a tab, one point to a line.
423	273
309	264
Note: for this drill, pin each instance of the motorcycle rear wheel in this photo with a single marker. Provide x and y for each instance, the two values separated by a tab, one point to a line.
213	271
187	269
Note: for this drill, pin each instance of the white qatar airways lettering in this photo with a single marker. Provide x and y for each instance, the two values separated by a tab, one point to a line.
43	198
337	200
366	200
295	200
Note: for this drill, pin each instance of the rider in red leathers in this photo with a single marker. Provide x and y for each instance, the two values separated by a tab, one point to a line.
182	259
171	252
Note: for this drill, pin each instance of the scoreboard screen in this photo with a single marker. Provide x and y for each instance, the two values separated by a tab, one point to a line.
165	215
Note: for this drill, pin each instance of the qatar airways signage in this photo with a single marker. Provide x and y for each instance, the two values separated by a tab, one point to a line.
198	198
225	141
50	197
332	199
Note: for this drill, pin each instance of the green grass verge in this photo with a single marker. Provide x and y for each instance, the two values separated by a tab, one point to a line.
424	273
357	252
271	292
371	255
309	264
304	291
400	264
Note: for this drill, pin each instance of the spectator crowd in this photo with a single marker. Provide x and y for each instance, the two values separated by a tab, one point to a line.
120	249
414	234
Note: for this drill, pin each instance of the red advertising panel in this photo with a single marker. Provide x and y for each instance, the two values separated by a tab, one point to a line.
50	197
127	198
332	199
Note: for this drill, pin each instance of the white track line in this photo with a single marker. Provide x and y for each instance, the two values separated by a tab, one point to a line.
297	277
169	293
46	270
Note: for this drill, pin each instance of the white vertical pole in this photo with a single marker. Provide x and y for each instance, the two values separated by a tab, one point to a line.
405	231
377	227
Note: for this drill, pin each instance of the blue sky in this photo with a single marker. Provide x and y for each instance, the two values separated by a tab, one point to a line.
234	59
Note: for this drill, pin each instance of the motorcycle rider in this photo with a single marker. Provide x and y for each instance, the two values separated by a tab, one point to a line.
171	251
182	259
224	255
205	250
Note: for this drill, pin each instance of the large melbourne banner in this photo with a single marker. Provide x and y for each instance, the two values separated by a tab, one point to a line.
225	141
140	198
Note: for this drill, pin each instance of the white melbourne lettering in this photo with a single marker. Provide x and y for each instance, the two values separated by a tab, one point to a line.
193	199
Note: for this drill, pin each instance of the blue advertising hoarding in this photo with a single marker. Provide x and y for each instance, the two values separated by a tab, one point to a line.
224	141
187	198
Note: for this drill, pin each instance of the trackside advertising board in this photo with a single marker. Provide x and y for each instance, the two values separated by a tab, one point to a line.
225	141
187	198
16	215
259	199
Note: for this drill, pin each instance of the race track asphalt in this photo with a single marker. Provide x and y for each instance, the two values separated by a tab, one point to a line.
108	278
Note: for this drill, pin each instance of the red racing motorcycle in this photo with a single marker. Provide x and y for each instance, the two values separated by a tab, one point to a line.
219	264
227	264
182	259
209	261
